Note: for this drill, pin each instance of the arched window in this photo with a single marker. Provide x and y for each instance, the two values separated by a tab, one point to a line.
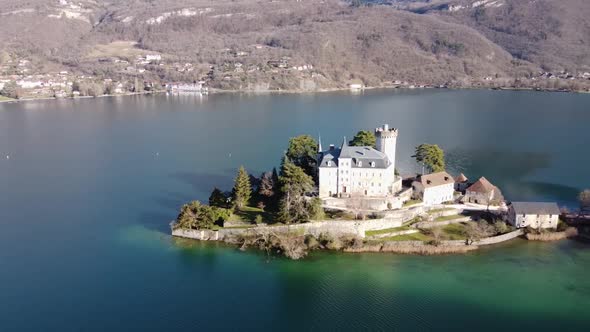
372	164
360	163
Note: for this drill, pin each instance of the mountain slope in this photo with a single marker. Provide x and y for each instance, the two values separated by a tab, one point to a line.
428	42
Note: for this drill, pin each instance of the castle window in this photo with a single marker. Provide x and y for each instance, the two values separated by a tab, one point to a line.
329	163
372	164
360	164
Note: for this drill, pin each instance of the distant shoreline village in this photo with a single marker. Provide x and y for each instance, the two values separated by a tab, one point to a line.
351	198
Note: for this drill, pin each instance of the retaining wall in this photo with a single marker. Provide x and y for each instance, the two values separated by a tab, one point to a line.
500	238
334	228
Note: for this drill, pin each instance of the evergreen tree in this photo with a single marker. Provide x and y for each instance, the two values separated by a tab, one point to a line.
198	216
303	151
316	211
294	184
218	198
364	138
242	189
431	156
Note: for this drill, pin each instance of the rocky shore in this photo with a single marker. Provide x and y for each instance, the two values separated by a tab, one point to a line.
295	241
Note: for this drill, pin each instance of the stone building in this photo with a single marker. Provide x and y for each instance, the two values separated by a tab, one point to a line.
360	170
461	182
533	214
483	192
435	188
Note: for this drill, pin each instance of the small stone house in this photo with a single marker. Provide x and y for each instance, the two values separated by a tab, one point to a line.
483	192
461	182
435	188
533	214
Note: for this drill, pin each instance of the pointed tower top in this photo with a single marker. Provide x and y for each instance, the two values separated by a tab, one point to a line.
344	142
320	143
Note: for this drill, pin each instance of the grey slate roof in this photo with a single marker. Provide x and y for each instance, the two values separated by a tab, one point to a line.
362	157
542	208
329	155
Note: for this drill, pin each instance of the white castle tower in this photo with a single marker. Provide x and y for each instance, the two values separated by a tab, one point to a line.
386	142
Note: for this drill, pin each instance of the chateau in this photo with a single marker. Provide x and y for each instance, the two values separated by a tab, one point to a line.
360	170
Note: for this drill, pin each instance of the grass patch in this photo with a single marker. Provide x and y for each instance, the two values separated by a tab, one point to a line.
339	215
439	210
120	48
387	230
408	237
240	227
412	221
451	217
3	98
248	214
454	231
412	202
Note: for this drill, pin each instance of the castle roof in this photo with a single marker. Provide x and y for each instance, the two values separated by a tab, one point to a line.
482	186
362	157
435	179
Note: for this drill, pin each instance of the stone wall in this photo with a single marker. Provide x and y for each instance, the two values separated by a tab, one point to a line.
203	234
336	228
500	238
410	231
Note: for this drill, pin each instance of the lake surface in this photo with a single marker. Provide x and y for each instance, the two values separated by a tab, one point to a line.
89	187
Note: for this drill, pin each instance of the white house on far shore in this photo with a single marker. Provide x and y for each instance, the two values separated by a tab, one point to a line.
533	214
435	188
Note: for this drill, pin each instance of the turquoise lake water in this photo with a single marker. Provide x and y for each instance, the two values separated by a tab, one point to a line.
89	187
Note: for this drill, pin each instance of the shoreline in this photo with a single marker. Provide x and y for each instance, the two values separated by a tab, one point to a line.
295	238
300	92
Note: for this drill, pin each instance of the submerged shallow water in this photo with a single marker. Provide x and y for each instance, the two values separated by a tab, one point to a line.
90	186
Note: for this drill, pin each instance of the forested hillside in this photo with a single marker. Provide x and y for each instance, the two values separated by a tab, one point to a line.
302	44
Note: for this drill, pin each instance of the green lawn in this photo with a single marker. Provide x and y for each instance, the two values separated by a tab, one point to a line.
454	231
249	213
412	202
240	227
2	98
387	230
408	237
451	217
338	214
440	210
412	221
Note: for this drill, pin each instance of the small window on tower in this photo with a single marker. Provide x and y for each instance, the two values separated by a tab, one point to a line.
360	164
329	163
372	164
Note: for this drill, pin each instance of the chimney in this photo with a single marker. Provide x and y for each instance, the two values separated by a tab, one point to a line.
446	178
428	182
331	147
